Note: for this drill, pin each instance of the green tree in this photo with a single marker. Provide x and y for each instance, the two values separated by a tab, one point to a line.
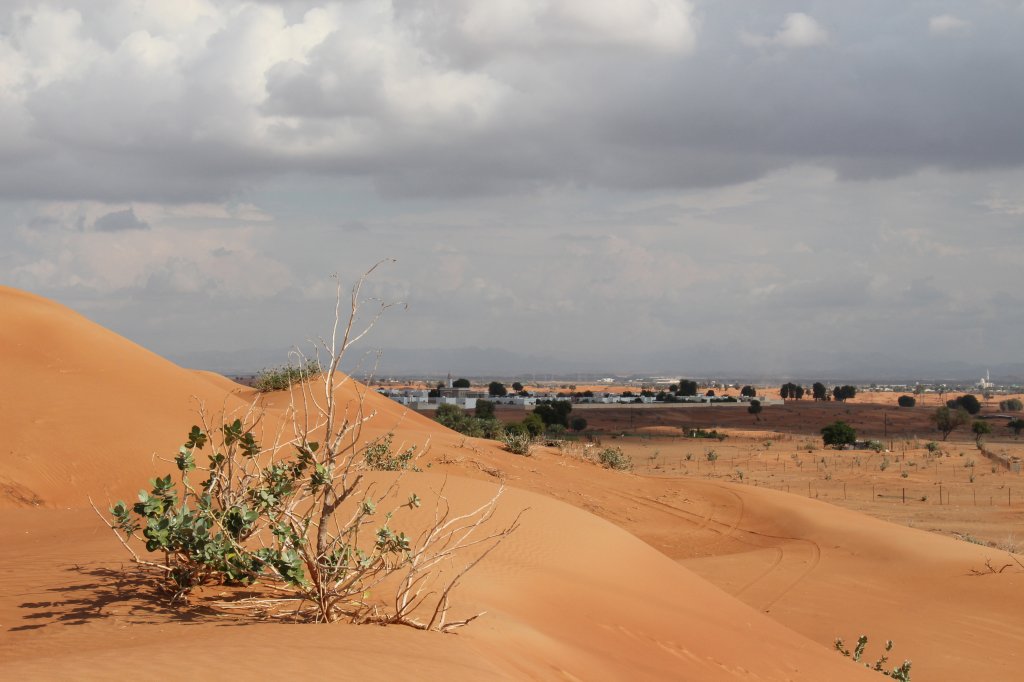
1017	425
451	416
554	412
578	424
967	402
948	420
819	391
844	393
748	391
906	401
1011	405
790	390
496	388
755	408
484	409
687	387
517	387
461	383
839	433
533	424
980	429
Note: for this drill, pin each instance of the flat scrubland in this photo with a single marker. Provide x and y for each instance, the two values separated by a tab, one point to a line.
664	573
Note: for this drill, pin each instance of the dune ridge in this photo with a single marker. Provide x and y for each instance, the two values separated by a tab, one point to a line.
611	575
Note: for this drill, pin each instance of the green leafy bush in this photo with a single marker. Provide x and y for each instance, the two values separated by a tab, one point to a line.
837	434
379	457
614	458
298	522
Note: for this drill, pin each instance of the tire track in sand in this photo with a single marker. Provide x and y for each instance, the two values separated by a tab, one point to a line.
795	558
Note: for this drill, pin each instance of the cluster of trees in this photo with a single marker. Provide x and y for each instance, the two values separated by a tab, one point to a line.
790	390
685	387
547	416
494	388
1011	405
481	424
844	393
967	402
819	391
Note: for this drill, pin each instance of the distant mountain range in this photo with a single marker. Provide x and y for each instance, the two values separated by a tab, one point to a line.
472	361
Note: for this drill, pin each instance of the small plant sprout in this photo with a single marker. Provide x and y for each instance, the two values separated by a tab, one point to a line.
900	672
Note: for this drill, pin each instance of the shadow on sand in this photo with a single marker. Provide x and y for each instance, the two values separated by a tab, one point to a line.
102	592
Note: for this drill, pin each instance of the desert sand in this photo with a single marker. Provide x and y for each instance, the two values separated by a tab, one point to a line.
650	575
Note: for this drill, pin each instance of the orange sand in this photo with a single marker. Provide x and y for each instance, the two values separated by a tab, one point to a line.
610	576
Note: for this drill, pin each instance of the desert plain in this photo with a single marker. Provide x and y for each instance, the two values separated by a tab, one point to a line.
743	566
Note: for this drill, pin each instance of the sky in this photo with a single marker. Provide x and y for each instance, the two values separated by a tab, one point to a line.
654	185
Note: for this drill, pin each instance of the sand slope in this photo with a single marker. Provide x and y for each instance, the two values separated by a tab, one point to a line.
599	583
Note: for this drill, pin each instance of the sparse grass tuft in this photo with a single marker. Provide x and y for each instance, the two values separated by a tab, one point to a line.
280	378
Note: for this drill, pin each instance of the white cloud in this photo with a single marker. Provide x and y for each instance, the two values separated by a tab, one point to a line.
657	25
946	23
798	30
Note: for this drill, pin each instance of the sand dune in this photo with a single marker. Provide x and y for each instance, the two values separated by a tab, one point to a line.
611	575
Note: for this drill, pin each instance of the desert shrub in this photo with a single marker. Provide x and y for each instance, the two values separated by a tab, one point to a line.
518	442
837	434
884	464
711	455
932	447
901	672
281	378
614	458
875	445
967	537
379	457
578	423
906	401
298	521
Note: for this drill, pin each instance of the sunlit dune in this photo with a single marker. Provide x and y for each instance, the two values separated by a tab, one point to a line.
611	575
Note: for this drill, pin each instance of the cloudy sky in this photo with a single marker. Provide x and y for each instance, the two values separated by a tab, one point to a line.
638	185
